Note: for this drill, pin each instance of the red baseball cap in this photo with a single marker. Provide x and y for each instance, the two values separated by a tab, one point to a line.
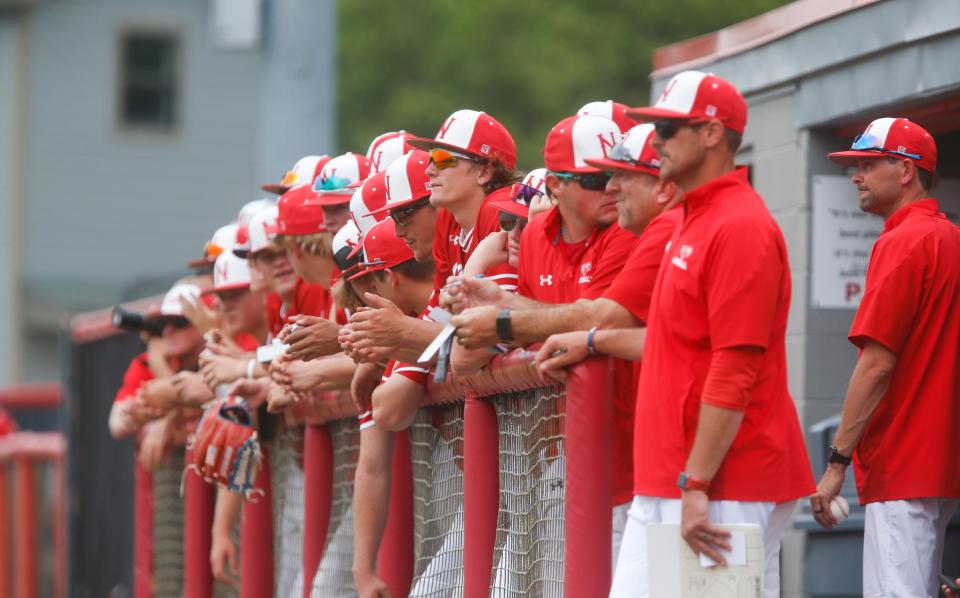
615	111
633	154
405	181
386	148
298	213
473	133
891	138
521	194
696	95
339	178
382	249
574	139
305	170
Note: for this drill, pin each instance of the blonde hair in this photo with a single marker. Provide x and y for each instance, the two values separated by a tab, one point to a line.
318	244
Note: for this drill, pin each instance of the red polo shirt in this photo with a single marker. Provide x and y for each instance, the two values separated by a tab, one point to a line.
552	271
633	286
310	300
724	282
138	373
911	305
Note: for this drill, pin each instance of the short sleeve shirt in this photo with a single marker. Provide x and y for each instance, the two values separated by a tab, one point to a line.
724	282
911	305
310	300
633	286
138	373
554	272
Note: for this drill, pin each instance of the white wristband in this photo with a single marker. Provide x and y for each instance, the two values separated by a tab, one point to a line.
250	367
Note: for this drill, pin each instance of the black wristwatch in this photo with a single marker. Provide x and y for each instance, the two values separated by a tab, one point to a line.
834	456
504	328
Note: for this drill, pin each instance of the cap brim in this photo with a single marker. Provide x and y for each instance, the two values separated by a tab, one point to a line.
429	144
850	157
229	287
275	188
355	251
330	199
608	164
241	253
511	207
200	263
363	272
394	206
649	113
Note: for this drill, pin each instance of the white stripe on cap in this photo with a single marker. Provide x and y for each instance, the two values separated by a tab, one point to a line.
593	136
347	236
681	91
345	166
397	182
386	153
636	138
259	237
458	129
880	128
604	109
305	169
359	211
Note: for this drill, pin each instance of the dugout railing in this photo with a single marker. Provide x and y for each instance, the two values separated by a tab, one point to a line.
503	470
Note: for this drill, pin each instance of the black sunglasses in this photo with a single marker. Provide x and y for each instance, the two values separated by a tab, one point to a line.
402	216
665	129
178	322
593	181
509	221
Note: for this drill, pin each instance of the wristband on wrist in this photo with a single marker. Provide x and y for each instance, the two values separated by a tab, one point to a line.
590	347
504	326
250	367
687	482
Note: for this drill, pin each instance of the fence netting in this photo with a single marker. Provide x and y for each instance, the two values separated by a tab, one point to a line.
334	577
528	558
436	447
286	477
168	526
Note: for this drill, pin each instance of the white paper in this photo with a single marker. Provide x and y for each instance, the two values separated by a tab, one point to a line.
736	556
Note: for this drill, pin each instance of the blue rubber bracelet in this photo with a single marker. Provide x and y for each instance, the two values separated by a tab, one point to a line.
590	347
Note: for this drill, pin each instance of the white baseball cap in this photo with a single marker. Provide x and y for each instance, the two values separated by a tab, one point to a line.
345	244
260	237
386	148
615	111
171	305
305	170
576	138
229	273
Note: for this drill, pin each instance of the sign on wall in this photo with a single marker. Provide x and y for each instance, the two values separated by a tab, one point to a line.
843	237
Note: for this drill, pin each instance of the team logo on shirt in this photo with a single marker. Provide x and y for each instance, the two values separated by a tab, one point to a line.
585	276
680	261
546	281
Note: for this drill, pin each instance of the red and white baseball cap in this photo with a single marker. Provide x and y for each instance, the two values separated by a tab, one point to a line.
230	273
346	247
171	305
634	153
298	213
386	148
372	195
615	111
891	138
693	95
223	239
305	170
382	249
521	194
339	178
473	133
405	181
259	230
576	138
242	247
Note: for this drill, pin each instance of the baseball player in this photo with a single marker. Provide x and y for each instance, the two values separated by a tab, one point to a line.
717	438
902	403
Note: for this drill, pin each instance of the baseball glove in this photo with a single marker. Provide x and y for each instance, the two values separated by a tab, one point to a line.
226	449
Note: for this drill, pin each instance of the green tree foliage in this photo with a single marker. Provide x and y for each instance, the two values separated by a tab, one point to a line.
408	64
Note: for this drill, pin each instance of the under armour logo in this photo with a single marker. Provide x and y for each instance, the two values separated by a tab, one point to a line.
680	261
446	127
546	281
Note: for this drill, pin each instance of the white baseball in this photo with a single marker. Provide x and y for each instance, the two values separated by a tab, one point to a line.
840	508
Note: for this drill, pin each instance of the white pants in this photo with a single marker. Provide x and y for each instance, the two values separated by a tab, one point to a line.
630	579
903	547
621	513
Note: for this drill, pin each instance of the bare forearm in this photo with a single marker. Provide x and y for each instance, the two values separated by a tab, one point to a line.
535	325
468	361
371	497
121	424
869	382
716	430
417	334
226	511
395	402
625	343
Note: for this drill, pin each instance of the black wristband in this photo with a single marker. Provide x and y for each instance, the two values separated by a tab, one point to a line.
834	456
504	326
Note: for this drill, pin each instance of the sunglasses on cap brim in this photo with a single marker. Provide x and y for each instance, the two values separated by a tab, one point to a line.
868	142
590	181
524	194
444	158
620	153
